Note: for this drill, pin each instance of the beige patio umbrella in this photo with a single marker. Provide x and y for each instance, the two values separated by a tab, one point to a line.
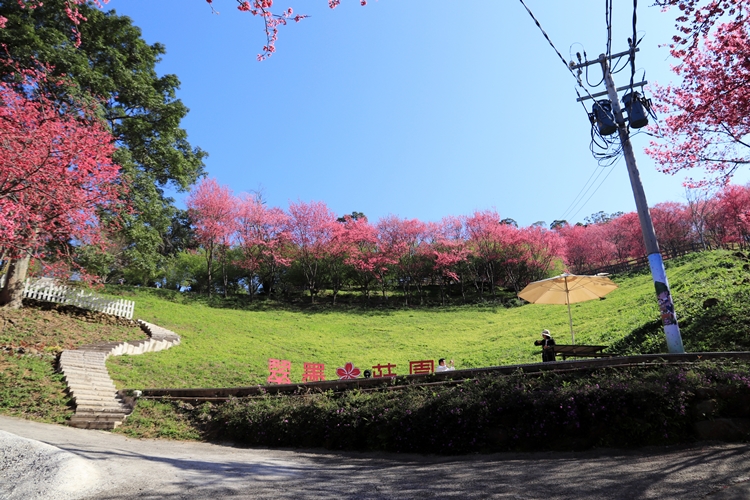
567	289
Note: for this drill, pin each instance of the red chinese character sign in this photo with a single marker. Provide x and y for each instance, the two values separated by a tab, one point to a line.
280	369
313	372
421	367
377	370
348	372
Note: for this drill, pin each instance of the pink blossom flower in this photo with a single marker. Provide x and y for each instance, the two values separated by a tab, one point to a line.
348	372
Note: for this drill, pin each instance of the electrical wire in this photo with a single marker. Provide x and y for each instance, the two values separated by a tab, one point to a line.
608	20
595	191
595	174
592	84
607	151
615	69
633	44
546	36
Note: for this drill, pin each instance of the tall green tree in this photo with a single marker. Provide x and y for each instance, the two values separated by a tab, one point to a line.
114	62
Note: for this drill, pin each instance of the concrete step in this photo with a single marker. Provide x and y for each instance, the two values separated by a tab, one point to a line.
117	411
137	343
83	363
93	409
99	348
84	354
99	392
99	398
92	372
86	370
73	367
98	405
78	384
88	377
83	393
90	420
88	402
86	424
84	385
91	369
107	414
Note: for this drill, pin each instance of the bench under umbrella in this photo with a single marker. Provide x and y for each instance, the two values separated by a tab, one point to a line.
567	289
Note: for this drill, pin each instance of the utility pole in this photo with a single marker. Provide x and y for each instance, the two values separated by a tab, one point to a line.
656	263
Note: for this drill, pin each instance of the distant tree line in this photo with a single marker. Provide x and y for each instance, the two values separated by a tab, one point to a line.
239	245
721	220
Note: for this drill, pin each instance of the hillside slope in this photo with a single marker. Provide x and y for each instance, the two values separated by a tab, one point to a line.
230	347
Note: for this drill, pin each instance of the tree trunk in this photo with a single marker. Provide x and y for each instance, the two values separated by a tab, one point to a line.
224	271
11	296
209	264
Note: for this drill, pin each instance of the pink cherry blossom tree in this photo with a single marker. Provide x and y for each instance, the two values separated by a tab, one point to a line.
706	124
311	227
626	235
212	211
271	16
338	252
364	257
673	227
57	174
731	218
449	254
404	241
496	248
262	235
543	250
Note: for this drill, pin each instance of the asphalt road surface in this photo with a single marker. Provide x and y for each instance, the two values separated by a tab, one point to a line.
50	461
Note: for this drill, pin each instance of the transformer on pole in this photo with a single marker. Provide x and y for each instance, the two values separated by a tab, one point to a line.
607	114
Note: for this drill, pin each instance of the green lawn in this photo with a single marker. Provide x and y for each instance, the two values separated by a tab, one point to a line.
224	347
226	343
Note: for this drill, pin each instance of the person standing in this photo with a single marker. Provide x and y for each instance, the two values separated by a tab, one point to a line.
547	343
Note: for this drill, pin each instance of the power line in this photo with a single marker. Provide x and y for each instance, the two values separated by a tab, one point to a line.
633	43
584	190
595	190
609	156
567	65
608	21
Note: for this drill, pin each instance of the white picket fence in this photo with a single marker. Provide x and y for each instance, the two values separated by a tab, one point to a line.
48	290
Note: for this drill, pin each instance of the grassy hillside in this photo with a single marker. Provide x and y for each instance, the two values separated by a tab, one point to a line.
224	346
30	340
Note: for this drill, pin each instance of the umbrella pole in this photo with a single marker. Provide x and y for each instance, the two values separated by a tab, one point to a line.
570	316
570	320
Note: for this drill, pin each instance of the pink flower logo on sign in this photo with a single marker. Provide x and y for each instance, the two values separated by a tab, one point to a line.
347	372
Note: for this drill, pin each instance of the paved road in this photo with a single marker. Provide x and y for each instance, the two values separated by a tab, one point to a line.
124	468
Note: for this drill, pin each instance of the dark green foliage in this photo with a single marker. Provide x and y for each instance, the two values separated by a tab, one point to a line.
115	64
625	407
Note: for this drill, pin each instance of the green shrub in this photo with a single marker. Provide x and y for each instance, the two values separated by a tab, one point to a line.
604	408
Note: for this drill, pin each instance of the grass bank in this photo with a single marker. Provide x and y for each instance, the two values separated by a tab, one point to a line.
228	343
30	340
225	344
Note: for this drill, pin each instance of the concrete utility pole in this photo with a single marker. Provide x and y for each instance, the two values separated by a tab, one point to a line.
663	295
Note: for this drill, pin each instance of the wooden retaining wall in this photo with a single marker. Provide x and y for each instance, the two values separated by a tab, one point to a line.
441	378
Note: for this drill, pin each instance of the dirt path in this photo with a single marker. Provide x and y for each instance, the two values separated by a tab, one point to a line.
129	469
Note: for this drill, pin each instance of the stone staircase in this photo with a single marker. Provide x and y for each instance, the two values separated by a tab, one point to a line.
98	405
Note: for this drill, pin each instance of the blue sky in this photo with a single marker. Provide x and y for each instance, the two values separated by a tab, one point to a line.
418	108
